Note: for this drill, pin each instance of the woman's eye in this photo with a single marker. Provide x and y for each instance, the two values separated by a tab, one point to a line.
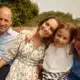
47	23
51	29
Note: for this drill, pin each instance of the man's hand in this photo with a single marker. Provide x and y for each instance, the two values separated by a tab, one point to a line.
2	63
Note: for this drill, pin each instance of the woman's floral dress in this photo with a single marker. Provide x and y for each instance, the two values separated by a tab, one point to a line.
26	60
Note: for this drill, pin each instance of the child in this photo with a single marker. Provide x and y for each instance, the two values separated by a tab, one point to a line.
58	59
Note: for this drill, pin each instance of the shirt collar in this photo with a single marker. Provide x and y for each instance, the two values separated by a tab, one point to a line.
10	31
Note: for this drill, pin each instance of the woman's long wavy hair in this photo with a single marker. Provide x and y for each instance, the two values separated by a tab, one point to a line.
47	40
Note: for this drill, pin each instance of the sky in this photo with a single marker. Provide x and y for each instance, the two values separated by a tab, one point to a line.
71	6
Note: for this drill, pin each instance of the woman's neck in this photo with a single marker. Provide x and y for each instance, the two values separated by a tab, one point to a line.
37	40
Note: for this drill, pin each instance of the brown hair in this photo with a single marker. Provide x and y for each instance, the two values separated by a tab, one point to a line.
47	40
4	6
46	19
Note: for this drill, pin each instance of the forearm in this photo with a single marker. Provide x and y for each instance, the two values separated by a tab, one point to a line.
2	63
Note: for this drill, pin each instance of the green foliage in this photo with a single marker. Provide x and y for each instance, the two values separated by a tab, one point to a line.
64	17
76	21
24	10
26	13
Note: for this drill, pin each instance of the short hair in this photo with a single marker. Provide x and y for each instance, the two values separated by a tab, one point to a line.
2	6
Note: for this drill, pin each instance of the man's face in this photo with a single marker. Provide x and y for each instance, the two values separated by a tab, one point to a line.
5	20
77	44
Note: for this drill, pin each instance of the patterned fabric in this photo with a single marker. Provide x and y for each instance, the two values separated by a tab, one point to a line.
27	58
53	76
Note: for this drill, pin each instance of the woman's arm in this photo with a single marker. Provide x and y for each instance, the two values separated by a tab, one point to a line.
11	53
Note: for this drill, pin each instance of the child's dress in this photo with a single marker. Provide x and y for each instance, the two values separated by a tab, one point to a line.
57	62
26	60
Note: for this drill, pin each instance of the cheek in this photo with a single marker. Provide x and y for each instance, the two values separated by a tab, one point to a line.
8	25
67	41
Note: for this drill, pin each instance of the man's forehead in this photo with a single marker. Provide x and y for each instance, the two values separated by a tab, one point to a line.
6	10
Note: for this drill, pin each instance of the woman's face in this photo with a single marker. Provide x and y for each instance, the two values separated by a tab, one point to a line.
48	27
62	37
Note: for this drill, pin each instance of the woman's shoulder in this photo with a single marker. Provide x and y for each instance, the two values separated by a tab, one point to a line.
25	31
23	34
28	31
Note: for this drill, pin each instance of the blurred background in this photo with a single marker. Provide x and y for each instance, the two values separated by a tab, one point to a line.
28	13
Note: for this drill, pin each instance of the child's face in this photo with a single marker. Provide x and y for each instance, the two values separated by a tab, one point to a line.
61	37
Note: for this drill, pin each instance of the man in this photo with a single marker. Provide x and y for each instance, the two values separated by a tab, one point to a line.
75	70
7	35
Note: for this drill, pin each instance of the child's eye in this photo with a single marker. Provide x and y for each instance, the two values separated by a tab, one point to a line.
59	35
65	38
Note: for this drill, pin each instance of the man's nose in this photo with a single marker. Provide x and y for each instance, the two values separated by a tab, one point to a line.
2	22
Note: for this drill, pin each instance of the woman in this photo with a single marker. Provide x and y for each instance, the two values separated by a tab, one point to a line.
28	53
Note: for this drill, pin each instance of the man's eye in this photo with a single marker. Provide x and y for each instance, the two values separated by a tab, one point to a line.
0	18
65	38
6	20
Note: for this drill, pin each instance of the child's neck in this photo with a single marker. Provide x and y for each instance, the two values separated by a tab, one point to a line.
59	46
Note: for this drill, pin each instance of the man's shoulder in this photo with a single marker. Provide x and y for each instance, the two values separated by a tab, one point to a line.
12	32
